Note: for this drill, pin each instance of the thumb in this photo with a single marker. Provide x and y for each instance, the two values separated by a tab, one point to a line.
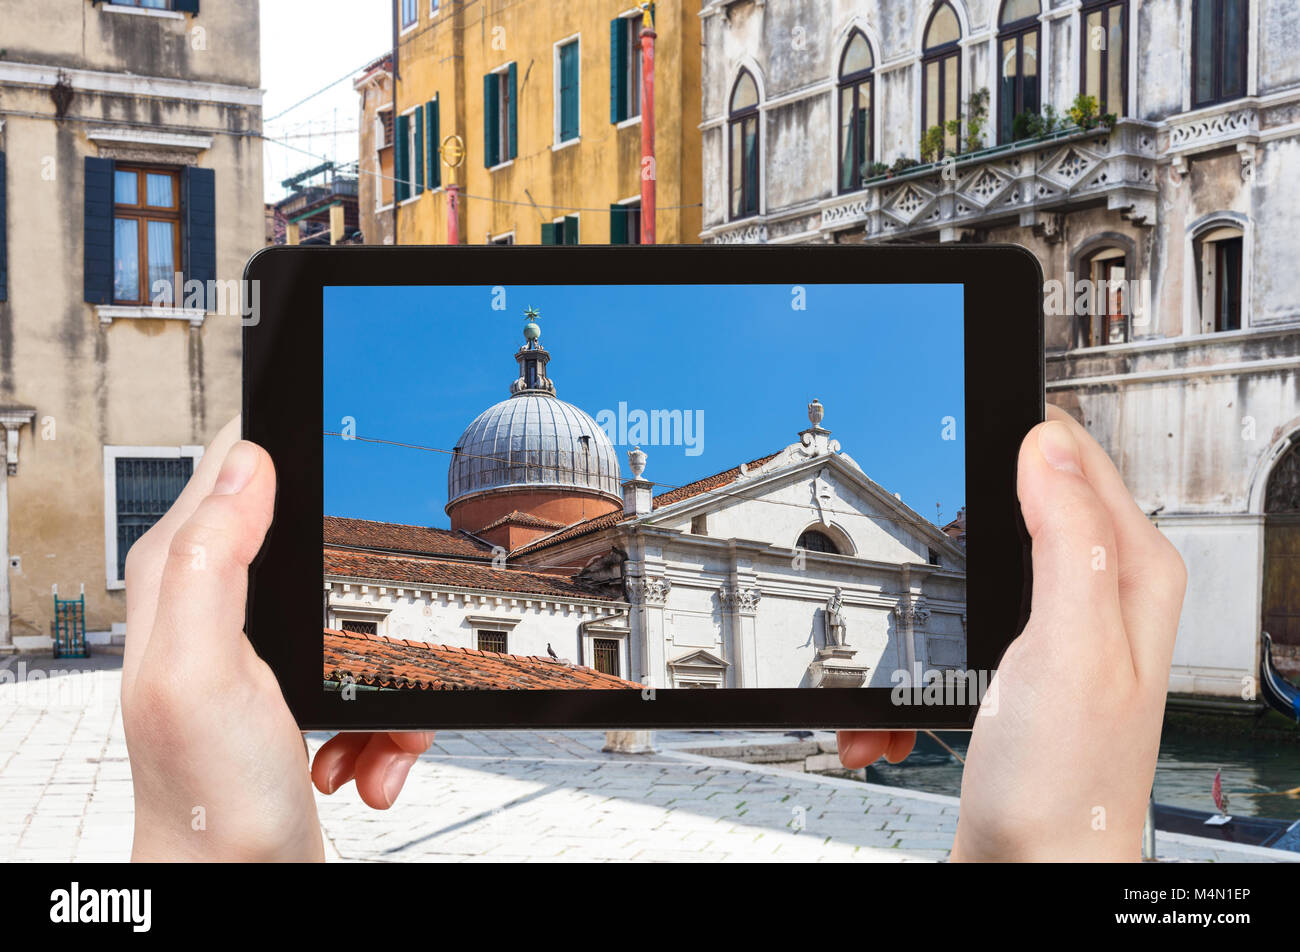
204	584
1074	558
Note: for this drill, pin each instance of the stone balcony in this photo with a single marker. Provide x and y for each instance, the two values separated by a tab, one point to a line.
1027	182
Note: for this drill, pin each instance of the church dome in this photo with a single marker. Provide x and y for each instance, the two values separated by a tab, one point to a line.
532	453
533	439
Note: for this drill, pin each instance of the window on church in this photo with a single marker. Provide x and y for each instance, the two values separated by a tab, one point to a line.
813	540
492	641
700	524
932	557
360	627
605	655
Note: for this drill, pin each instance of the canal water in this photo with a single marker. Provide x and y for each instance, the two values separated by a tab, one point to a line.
1184	773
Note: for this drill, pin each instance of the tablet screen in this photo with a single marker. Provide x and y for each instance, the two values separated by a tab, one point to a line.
627	487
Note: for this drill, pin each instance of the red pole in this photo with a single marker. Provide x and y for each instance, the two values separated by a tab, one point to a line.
453	214
648	172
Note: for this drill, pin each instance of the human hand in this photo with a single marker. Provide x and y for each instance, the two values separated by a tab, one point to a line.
1061	767
217	761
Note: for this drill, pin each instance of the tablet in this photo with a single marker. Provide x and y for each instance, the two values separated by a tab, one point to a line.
628	488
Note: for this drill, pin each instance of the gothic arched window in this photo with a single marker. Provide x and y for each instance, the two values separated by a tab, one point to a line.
855	111
941	74
743	126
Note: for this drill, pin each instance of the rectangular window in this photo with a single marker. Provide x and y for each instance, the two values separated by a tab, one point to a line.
149	4
433	7
625	68
605	656
1105	55
410	13
146	231
1219	47
492	641
402	159
360	627
566	92
700	524
140	485
625	223
562	231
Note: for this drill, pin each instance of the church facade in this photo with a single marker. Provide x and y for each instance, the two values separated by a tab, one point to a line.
791	570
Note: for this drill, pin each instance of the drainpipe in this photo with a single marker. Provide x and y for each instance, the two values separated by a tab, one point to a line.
648	170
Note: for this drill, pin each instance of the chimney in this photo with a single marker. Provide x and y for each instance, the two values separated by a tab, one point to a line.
636	491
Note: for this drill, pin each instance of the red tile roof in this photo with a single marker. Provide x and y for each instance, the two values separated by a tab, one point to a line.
443	572
376	661
596	523
517	518
708	483
394	537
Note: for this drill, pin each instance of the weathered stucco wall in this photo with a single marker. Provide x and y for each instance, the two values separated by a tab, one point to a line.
134	381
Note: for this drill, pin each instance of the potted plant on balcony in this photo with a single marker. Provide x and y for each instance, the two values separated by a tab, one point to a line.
871	170
1083	113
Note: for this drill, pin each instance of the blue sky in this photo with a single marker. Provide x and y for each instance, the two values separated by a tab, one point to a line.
417	364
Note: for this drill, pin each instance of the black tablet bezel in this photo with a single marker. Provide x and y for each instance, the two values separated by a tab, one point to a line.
283	391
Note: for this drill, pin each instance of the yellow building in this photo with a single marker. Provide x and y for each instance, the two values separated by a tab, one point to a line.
545	97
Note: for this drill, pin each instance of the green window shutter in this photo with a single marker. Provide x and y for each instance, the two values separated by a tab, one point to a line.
548	233
618	224
618	69
570	229
432	136
491	121
569	92
419	151
402	161
512	147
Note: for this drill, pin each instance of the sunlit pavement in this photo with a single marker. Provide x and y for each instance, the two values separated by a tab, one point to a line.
65	794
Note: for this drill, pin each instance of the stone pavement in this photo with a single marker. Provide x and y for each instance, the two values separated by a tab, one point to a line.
65	794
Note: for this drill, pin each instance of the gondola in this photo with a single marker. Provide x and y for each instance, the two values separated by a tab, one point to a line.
1279	693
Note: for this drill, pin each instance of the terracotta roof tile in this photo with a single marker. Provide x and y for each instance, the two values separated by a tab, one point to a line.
435	572
394	537
517	518
376	661
578	529
708	483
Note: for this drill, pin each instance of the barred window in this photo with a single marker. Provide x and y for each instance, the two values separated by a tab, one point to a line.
146	489
360	627
492	641
605	652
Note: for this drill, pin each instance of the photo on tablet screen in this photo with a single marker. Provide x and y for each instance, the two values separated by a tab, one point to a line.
623	487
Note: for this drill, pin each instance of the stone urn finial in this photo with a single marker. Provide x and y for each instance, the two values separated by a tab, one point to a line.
815	412
636	461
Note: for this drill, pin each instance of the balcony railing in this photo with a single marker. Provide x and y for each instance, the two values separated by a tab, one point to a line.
1026	181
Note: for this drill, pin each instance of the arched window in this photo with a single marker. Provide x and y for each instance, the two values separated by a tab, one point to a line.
941	74
743	126
1108	317
1219	41
855	112
814	540
1104	54
1018	88
1218	252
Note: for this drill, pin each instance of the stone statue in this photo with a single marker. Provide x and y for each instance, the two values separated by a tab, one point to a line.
836	631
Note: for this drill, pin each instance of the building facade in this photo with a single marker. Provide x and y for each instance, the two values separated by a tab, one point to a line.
795	569
1160	211
129	152
544	100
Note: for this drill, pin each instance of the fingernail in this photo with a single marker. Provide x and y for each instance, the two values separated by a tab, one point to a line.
237	469
395	776
1057	445
335	778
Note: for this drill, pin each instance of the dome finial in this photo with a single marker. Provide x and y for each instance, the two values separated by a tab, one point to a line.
532	330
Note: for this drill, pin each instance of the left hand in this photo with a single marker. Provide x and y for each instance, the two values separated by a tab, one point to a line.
218	763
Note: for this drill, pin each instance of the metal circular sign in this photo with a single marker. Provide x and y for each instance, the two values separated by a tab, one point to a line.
452	150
